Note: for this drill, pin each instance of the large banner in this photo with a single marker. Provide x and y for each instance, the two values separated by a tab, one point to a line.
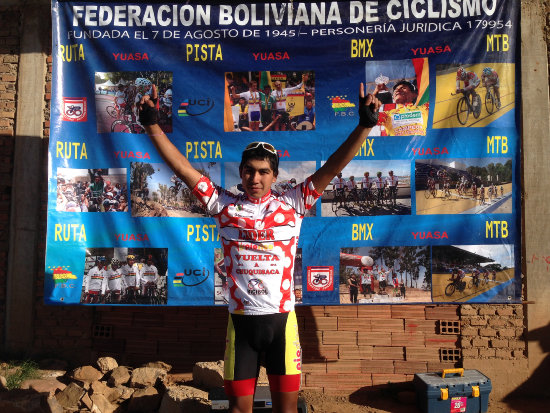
428	211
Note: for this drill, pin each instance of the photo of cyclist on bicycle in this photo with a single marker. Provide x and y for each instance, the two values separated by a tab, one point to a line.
489	78
471	82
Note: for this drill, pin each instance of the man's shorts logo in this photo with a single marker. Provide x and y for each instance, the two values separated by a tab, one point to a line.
320	278
195	107
74	109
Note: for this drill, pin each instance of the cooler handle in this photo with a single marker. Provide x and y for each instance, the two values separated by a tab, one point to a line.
452	371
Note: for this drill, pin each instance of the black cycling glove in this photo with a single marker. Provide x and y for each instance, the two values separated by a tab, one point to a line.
368	117
148	115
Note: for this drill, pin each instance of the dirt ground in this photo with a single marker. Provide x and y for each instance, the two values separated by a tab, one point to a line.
384	402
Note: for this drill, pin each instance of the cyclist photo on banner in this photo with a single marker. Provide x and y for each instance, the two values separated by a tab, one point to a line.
269	101
474	95
402	86
91	190
462	273
117	94
463	186
125	276
157	191
374	275
367	188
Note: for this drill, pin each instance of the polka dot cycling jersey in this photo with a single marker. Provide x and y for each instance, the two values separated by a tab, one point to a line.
259	239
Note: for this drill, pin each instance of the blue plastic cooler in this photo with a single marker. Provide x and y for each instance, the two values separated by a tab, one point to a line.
452	391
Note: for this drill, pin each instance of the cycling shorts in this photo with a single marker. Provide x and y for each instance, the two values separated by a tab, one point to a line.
255	116
251	336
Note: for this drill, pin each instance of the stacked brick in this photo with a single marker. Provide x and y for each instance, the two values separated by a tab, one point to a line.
492	331
346	348
9	63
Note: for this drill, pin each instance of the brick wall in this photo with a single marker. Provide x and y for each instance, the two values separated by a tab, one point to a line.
493	332
9	59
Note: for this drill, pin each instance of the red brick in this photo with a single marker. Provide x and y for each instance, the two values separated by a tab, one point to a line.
375	311
339	337
424	326
442	312
407	339
317	367
471	353
309	311
342	310
434	366
410	367
408	311
377	366
381	379
355	352
321	323
388	353
354	324
319	352
321	379
487	352
361	380
388	326
347	366
505	310
373	339
421	354
437	340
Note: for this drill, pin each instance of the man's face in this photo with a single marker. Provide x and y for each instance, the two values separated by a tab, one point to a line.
277	85
403	95
253	86
130	262
309	104
267	90
257	177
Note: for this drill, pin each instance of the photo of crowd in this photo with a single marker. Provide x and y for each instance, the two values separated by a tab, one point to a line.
92	190
125	276
402	86
116	96
269	101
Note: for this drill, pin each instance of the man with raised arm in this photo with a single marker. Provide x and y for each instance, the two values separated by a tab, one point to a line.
259	232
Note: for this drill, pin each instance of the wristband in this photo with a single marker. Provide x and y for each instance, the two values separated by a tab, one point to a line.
148	115
368	118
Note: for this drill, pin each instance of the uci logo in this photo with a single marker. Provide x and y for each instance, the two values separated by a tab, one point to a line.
193	277
195	107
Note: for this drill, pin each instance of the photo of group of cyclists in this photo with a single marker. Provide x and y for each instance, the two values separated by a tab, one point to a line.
116	96
463	186
157	191
125	276
269	101
464	272
402	86
91	190
385	274
365	188
474	94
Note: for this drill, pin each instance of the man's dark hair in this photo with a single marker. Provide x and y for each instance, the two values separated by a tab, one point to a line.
405	82
260	153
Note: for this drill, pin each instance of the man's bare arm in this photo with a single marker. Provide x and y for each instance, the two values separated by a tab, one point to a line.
167	150
347	150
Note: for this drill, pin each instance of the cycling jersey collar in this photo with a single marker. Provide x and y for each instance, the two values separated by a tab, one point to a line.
259	200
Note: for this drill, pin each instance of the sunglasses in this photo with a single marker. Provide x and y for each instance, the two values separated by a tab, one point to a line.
266	146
